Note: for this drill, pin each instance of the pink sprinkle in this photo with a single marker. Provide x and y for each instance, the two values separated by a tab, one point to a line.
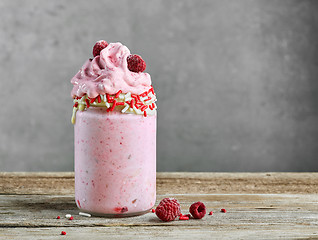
153	210
145	114
87	103
71	218
114	105
93	100
98	99
144	107
63	233
223	210
132	103
120	103
58	217
109	99
210	213
184	218
118	93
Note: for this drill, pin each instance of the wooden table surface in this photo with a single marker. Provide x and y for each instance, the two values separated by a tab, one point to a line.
259	206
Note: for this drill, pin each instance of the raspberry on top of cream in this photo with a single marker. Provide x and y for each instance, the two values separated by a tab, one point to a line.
113	79
109	73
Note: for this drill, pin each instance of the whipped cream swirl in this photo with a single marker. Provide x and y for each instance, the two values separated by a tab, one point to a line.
108	73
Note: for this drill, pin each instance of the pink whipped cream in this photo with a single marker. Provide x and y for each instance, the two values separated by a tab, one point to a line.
108	73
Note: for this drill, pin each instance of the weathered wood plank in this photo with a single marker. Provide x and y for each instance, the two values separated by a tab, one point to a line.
259	205
41	211
177	183
163	232
269	216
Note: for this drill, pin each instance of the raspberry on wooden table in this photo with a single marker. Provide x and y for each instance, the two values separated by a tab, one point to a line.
168	209
197	210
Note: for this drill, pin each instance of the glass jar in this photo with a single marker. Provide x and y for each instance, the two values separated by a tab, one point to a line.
115	162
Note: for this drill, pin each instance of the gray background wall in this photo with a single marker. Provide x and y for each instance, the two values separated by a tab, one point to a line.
236	80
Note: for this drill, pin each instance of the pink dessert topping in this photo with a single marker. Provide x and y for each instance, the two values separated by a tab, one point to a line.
114	79
112	69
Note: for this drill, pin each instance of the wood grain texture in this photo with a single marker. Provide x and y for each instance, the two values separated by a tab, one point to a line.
177	183
30	202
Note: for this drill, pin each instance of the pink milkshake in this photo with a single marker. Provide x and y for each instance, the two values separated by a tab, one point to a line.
115	134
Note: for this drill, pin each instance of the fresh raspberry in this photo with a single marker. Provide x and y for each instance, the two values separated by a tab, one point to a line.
168	209
99	46
136	63
197	210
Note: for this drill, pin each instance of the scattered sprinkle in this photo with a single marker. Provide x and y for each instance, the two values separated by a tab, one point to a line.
153	210
92	100
132	103
87	103
223	210
210	213
58	217
84	214
71	218
184	217
118	93
63	233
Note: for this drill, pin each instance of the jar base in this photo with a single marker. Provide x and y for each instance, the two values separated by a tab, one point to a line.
117	215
